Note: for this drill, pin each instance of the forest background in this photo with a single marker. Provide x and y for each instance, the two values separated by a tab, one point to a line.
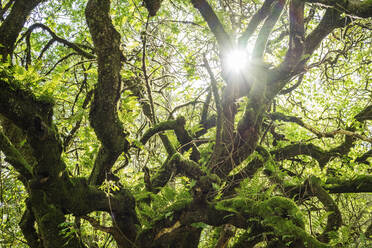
220	123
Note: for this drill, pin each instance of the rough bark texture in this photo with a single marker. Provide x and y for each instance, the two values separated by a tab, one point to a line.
236	156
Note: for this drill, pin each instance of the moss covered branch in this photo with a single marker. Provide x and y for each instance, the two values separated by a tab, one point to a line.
13	24
334	219
103	113
162	126
176	164
23	108
34	116
363	158
27	225
323	157
14	157
359	184
352	7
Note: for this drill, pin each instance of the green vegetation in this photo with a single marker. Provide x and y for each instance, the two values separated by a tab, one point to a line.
185	123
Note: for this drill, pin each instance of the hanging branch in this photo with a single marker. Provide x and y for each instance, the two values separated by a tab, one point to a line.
293	87
217	149
58	62
47	46
147	83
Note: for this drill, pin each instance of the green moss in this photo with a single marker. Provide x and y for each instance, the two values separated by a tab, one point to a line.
237	205
286	219
279	213
282	207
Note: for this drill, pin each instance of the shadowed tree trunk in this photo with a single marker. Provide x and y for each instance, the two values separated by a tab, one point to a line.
205	174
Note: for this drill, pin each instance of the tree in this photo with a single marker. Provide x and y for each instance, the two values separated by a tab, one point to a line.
168	127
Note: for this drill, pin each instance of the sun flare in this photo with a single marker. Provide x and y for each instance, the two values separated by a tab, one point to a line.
236	60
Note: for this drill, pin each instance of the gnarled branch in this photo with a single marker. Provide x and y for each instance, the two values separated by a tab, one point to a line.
55	37
103	113
356	8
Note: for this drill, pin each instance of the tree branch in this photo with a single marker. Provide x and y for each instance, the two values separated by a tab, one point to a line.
27	225
356	8
358	184
13	24
162	126
223	39
263	35
257	18
330	21
363	158
34	116
137	89
296	34
176	164
14	157
5	9
293	87
218	146
311	150
98	226
186	141
103	113
281	75
365	114
332	134
204	112
55	37
334	219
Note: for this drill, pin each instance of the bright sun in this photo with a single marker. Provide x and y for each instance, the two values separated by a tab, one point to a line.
236	60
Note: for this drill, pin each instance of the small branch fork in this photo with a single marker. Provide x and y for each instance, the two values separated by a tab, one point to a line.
55	37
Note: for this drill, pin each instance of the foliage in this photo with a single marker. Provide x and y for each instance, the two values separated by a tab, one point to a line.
128	124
